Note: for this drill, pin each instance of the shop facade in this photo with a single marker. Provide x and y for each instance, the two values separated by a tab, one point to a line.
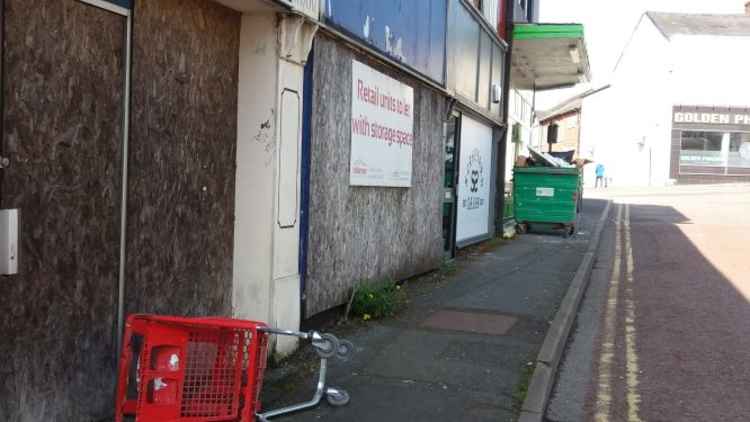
150	150
403	143
672	115
710	144
245	158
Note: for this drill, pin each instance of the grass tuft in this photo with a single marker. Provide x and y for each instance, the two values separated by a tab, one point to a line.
522	388
375	300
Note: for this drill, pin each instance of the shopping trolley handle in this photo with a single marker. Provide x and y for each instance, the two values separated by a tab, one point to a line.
280	332
326	345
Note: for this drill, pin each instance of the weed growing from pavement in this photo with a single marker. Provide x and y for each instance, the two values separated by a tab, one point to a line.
448	267
522	387
375	300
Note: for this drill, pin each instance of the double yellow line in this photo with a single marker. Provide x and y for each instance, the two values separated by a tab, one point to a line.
604	390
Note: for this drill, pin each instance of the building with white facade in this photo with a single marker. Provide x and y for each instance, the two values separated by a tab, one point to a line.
677	111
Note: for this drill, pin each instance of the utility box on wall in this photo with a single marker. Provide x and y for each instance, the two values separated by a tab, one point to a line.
8	242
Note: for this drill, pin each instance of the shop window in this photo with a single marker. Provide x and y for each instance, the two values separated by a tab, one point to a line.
497	77
517	141
467	33
520	13
701	149
516	137
477	60
739	149
450	154
701	141
485	69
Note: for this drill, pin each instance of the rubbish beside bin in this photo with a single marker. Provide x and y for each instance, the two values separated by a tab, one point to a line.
547	195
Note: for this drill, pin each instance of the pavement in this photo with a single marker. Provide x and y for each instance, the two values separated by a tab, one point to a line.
465	346
663	332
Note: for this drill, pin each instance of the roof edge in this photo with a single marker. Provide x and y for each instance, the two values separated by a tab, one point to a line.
563	107
661	30
535	31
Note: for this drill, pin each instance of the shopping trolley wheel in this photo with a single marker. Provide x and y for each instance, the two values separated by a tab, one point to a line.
345	349
336	397
327	346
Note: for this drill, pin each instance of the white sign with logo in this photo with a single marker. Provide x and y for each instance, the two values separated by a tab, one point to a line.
382	129
545	192
474	181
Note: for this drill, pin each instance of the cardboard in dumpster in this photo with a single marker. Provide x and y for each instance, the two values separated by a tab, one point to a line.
567	156
580	162
547	160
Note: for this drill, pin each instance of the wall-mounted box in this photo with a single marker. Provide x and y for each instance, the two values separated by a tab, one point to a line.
8	242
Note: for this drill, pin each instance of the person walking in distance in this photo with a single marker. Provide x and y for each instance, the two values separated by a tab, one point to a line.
600	179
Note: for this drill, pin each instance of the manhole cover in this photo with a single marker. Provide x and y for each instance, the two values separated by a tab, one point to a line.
472	322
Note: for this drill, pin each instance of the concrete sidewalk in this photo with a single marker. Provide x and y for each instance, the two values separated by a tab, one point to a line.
463	349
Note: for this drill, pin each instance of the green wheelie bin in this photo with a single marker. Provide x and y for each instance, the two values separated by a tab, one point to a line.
547	195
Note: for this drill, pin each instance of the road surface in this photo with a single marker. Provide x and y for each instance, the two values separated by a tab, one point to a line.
663	333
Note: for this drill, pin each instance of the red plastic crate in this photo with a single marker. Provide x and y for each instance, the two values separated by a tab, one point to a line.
191	369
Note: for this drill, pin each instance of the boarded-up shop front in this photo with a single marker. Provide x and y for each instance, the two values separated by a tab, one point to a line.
63	90
65	122
387	211
388	226
153	157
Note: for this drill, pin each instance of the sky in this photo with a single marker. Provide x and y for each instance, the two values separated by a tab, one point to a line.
608	25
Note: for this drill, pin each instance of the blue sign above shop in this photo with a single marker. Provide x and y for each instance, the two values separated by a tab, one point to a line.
408	31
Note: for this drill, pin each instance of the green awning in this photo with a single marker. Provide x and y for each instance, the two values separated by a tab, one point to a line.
549	56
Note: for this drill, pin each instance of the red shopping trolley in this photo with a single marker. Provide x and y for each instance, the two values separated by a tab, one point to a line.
206	370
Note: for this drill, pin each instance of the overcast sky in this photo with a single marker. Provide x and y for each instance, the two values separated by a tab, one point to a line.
608	25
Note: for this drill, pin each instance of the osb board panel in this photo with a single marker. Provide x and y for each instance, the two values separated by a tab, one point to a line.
182	157
367	233
63	91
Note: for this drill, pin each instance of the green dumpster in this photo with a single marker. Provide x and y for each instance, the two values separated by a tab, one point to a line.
547	195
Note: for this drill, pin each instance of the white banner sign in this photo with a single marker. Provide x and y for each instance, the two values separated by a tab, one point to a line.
475	179
382	129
